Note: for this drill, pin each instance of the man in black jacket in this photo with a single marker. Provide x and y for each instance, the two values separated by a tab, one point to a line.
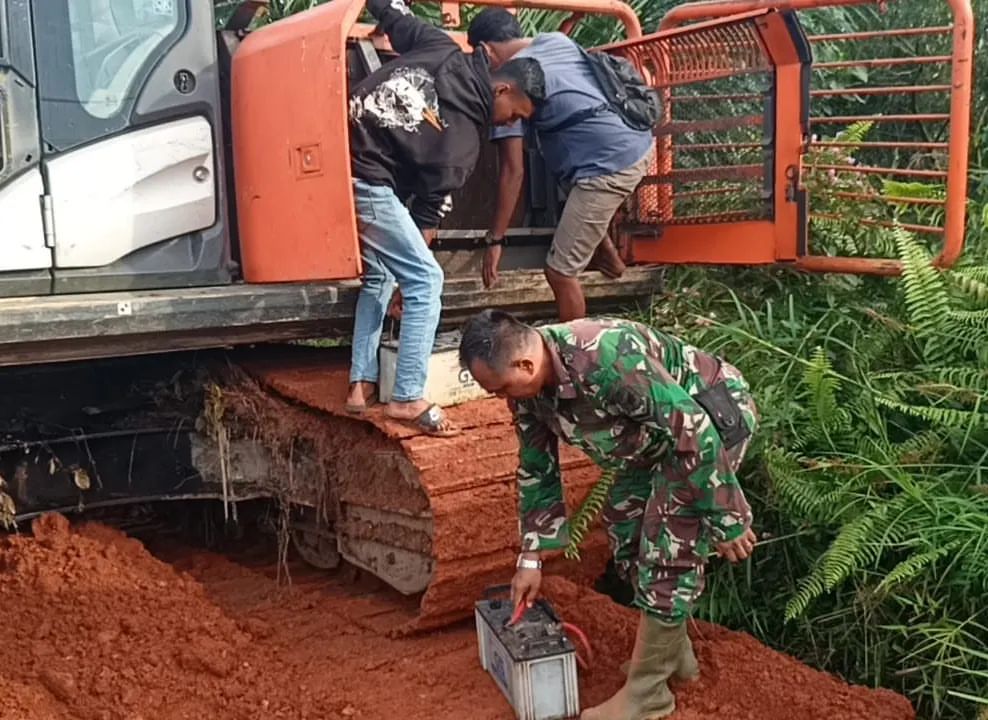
416	125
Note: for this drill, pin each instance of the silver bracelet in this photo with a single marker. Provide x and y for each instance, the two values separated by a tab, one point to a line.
526	564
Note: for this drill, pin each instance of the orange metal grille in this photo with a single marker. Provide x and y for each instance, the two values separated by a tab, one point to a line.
698	54
861	180
714	146
888	135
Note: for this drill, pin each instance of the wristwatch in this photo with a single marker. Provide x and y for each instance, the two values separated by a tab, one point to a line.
526	564
490	240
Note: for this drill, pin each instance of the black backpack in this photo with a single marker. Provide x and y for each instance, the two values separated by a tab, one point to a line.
623	88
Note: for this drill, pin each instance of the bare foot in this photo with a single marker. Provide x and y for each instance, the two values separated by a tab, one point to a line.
424	416
607	260
361	396
406	410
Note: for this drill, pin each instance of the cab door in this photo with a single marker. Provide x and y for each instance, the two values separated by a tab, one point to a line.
129	114
25	258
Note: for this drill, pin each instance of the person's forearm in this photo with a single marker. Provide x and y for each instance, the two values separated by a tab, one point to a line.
508	191
728	513
511	174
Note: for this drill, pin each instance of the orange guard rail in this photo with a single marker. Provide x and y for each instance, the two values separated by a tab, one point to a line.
735	127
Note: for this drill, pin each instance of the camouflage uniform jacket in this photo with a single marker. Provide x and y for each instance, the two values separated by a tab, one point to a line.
624	397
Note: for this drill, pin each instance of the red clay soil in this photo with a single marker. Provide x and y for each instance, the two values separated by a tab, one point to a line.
95	627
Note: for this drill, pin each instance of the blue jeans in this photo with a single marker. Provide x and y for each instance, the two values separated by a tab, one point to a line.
392	248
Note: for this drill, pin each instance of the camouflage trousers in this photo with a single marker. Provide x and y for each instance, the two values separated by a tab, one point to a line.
660	544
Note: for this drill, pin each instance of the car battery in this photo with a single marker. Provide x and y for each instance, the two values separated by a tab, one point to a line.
532	661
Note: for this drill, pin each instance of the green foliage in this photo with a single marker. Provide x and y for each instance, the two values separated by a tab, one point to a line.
275	10
869	467
583	518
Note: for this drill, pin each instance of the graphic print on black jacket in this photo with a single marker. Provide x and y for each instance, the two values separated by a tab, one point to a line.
417	122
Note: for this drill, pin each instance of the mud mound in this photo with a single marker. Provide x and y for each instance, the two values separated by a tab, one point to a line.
95	627
740	678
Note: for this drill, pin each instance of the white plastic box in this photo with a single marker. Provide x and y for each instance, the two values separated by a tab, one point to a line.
447	384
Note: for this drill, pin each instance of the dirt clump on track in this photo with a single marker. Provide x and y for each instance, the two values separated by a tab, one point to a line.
96	627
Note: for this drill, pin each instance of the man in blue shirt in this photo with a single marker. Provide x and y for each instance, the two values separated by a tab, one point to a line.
587	145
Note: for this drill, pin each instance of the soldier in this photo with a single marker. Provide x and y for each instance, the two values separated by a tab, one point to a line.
673	421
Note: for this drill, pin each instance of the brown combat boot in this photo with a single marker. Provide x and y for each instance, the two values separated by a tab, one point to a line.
658	654
687	668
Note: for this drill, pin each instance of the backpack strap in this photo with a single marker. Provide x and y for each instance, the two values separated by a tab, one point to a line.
581	115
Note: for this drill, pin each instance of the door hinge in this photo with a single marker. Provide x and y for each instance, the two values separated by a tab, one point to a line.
48	220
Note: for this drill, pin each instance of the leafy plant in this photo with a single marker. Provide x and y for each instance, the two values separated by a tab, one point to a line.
868	468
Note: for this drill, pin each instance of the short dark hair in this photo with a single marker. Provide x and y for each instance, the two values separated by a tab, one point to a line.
491	336
493	24
525	74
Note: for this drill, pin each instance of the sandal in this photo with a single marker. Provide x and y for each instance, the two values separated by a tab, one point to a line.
430	422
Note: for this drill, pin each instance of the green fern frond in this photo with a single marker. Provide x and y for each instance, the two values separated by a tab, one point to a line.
857	543
926	297
972	318
975	272
947	418
838	233
900	520
797	488
913	190
975	379
971	282
922	448
911	568
856	132
588	512
810	588
822	385
878	449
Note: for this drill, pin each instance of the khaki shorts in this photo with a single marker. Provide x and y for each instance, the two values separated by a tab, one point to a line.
590	207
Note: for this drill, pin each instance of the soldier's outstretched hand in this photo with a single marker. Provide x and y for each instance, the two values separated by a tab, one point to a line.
525	587
739	549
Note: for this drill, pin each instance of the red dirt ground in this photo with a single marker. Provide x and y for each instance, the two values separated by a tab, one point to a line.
92	626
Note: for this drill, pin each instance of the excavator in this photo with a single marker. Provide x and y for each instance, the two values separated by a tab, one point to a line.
176	213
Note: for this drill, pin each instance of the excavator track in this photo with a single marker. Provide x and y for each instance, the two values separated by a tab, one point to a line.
433	517
436	519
